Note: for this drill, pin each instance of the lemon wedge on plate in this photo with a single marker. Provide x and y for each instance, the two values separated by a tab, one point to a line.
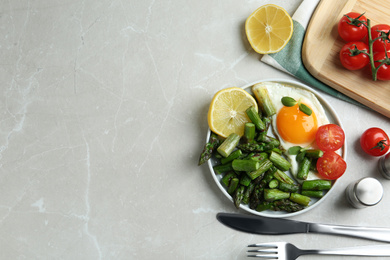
269	29
227	112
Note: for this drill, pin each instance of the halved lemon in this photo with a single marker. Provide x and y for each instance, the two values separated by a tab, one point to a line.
269	29
227	112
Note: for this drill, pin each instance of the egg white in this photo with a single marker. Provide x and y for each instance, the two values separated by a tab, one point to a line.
276	92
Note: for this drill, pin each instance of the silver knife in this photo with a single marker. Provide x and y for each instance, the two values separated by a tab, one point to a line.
278	226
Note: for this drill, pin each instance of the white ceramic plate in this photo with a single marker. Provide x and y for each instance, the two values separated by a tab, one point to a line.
333	118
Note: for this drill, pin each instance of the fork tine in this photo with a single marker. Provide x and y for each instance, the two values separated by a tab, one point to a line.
263	256
263	245
265	251
268	251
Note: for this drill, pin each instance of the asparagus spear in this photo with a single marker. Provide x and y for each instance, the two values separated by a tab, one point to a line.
264	138
264	166
317	185
248	193
263	99
209	148
256	198
258	156
227	147
245	180
313	193
227	178
234	155
275	194
245	165
280	205
288	187
301	156
258	194
279	161
265	205
255	118
249	132
267	123
252	147
300	199
314	153
233	185
256	147
238	196
303	168
313	164
287	205
273	184
221	168
283	177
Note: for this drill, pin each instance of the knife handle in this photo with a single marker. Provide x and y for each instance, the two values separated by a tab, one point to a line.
372	233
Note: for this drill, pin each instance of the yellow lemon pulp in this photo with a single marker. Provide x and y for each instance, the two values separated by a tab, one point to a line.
269	29
227	112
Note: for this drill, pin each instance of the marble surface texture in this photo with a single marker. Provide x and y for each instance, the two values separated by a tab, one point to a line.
103	117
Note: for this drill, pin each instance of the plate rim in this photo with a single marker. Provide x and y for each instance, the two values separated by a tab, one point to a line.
329	109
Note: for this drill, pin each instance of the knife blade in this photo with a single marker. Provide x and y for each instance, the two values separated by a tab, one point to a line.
277	226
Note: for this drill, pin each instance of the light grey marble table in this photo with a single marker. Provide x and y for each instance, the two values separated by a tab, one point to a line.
103	117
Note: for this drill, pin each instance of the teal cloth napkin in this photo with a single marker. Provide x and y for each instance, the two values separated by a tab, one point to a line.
289	59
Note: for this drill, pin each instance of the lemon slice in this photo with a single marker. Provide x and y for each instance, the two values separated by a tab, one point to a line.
227	112
269	29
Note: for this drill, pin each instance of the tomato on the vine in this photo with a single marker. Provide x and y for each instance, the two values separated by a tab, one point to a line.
374	141
353	55
380	44
350	27
331	166
330	137
383	72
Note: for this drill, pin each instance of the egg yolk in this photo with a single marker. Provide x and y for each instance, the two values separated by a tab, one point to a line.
296	127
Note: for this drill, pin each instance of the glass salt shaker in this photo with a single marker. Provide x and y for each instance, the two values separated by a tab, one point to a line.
384	166
365	192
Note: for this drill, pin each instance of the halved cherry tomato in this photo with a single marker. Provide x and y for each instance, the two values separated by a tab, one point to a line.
376	31
374	141
383	72
350	30
331	166
330	137
352	58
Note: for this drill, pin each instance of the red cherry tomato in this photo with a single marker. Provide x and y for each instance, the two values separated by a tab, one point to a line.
330	137
350	57
384	70
374	141
350	29
380	45
331	166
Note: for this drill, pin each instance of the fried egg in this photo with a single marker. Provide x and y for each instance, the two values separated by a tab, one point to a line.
292	126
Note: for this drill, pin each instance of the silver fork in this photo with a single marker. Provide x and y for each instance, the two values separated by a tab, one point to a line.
287	251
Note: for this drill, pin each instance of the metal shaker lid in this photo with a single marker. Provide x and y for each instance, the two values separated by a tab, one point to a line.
369	191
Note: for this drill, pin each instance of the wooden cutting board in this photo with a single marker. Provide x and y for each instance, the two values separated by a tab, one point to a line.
321	47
